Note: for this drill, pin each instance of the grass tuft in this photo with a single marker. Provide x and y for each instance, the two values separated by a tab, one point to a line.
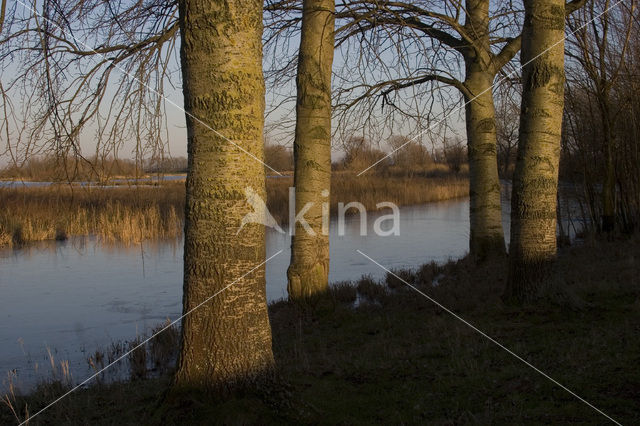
371	290
343	292
398	278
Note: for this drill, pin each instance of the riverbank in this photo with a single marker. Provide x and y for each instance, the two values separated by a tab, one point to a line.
58	212
139	213
398	358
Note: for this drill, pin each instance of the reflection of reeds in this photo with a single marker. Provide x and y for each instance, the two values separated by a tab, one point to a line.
135	214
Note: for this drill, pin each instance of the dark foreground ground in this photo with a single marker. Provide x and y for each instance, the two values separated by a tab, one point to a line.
399	359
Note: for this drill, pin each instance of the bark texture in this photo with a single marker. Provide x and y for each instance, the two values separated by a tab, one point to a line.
226	341
533	206
486	234
609	184
308	272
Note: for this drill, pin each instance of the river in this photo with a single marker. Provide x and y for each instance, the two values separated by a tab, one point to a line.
74	296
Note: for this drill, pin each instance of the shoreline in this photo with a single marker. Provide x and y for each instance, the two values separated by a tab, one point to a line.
130	214
335	357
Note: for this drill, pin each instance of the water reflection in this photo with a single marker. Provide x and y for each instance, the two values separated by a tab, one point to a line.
78	295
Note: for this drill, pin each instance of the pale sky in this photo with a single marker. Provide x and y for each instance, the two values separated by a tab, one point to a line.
175	119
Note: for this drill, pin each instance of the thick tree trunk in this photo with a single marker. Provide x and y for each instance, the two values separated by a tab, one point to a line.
308	273
486	234
533	206
227	340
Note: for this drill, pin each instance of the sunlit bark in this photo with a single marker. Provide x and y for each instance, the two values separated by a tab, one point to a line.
308	272
228	339
535	184
486	234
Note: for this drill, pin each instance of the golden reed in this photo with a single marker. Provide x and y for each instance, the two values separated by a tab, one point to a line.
134	214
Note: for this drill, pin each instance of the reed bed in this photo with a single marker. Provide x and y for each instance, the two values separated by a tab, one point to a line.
128	215
133	214
373	189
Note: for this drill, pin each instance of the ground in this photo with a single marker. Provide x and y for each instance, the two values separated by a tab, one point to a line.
397	358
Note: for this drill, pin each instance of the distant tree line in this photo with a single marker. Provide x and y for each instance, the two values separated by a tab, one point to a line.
402	156
72	168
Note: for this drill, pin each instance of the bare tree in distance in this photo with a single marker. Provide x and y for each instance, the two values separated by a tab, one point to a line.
408	156
507	125
87	70
360	152
604	80
455	153
601	36
278	156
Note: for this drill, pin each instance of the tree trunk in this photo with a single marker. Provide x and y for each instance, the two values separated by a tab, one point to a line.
609	184
308	273
485	212
533	206
226	341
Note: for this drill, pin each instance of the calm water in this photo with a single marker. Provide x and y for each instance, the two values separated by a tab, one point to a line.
78	295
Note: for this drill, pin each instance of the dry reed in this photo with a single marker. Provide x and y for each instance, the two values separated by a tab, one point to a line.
134	214
373	189
128	215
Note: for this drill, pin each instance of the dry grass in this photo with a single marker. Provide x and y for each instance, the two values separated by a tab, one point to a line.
373	189
134	214
128	215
